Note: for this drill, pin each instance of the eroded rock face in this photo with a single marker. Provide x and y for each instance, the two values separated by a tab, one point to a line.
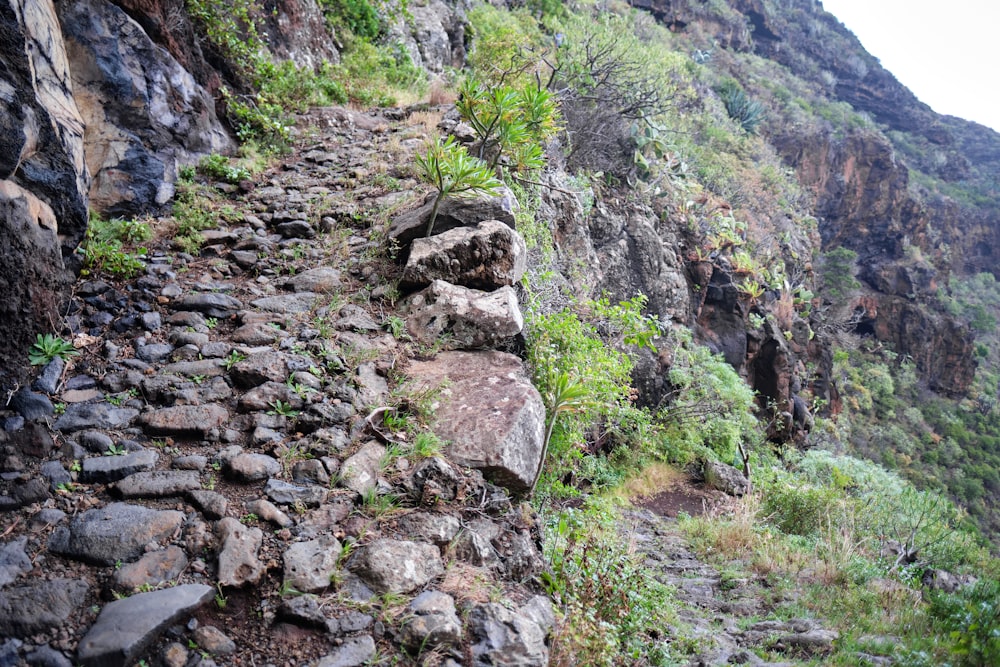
488	411
43	179
32	278
297	31
144	113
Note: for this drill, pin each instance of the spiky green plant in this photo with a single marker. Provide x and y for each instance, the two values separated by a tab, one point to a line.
565	395
745	111
453	172
47	347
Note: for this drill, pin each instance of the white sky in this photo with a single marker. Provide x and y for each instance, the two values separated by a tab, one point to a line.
947	53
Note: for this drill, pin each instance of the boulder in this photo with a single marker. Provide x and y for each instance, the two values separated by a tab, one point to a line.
453	212
144	113
43	179
487	256
431	622
488	411
396	566
726	478
506	637
463	318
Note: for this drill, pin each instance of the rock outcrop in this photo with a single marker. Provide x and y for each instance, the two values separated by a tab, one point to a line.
145	114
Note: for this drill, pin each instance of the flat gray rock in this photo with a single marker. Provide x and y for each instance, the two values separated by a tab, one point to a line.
309	565
80	416
126	627
355	651
33	608
211	504
117	532
153	569
238	562
184	421
269	366
299	302
396	566
360	472
107	469
284	493
157	484
212	304
252	467
195	367
321	279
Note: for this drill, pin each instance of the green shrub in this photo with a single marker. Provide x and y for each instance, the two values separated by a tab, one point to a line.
710	409
613	610
357	16
502	45
797	508
837	271
971	620
453	172
566	344
510	123
104	248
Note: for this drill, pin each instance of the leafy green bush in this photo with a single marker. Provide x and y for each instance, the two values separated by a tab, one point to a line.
104	247
502	45
971	620
710	409
357	16
613	610
566	344
796	508
510	123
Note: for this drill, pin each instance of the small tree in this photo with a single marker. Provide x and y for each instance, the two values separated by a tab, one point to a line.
453	172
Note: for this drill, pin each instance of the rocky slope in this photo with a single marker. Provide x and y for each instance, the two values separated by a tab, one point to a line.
215	479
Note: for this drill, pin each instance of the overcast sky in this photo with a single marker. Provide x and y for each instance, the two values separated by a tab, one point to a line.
947	53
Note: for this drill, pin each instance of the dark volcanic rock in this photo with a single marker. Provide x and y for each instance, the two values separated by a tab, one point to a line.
80	416
26	610
118	532
212	304
126	627
157	484
105	469
184	420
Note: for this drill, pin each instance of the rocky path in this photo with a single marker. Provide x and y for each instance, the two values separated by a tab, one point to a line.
212	480
217	479
721	614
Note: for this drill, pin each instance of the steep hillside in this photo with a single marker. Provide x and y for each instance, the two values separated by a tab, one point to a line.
425	333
